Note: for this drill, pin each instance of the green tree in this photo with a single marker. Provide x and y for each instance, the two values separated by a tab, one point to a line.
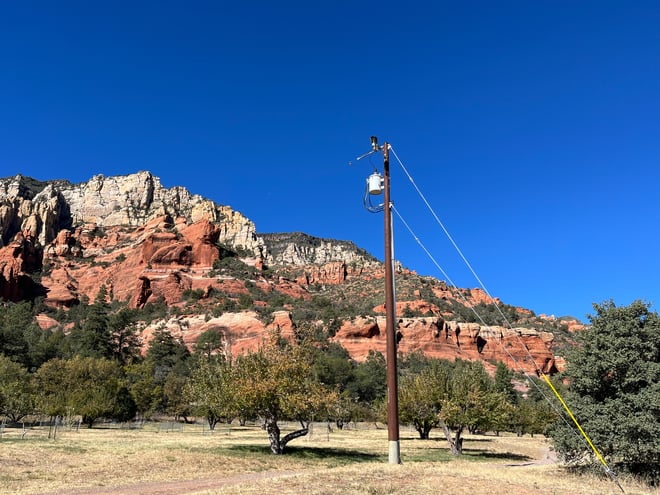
532	417
210	390
614	389
169	357
16	390
92	338
87	387
369	379
146	392
15	319
503	382
53	388
277	383
420	398
167	354
94	386
123	334
175	402
415	362
470	403
348	409
43	345
125	406
535	412
332	366
209	343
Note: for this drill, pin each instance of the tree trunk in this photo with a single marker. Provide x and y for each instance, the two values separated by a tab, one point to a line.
212	421
424	429
273	435
456	443
52	427
294	434
278	444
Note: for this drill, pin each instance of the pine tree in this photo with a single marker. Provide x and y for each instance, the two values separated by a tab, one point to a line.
92	338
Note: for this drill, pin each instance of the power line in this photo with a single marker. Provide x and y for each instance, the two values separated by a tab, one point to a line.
584	437
478	316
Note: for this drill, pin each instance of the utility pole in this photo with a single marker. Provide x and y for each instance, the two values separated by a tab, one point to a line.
375	186
390	316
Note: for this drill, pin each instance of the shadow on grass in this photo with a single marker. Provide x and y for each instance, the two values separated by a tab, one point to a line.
413	438
336	456
437	450
481	455
480	440
444	455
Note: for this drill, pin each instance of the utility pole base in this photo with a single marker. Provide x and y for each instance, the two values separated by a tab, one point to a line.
395	453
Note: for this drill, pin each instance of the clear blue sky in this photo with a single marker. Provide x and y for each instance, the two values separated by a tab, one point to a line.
532	127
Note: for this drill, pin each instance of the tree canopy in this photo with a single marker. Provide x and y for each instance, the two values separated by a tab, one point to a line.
16	390
421	395
211	390
470	403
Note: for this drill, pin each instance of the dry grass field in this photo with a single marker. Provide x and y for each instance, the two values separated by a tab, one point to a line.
167	459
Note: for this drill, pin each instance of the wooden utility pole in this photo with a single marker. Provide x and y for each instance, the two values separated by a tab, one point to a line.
390	330
375	186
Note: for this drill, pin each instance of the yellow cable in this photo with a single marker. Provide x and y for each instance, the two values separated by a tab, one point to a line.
586	437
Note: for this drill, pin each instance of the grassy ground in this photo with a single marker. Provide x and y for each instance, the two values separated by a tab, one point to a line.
168	459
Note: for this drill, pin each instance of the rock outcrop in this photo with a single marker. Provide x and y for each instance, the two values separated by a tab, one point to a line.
117	231
521	349
45	208
20	258
303	250
159	259
241	332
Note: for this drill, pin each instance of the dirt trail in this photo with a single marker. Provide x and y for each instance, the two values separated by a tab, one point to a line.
546	456
176	487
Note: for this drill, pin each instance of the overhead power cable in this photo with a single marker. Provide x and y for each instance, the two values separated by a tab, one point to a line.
469	305
449	236
585	437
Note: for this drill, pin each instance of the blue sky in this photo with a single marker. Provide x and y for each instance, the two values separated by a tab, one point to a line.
531	127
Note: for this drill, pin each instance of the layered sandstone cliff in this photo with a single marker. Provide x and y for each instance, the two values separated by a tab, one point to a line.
522	349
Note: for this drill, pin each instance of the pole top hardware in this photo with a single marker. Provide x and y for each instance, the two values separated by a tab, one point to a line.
375	148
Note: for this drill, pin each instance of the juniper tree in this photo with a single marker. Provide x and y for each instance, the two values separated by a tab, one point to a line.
614	390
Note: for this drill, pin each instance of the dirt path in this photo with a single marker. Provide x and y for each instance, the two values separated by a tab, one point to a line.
176	487
546	456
